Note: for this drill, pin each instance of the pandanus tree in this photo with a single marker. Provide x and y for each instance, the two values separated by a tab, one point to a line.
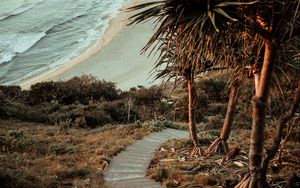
188	33
248	62
195	27
273	22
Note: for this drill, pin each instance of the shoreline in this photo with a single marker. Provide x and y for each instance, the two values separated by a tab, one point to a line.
115	25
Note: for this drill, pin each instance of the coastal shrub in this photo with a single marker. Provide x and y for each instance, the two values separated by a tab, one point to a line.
117	110
13	110
64	113
103	90
150	103
95	115
16	141
12	94
213	88
43	92
86	89
62	148
214	122
147	96
201	107
217	108
68	93
92	115
38	114
243	118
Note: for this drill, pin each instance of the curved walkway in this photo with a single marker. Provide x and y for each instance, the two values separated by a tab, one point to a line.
128	168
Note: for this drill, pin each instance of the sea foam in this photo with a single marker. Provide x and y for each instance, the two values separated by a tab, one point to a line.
17	43
40	35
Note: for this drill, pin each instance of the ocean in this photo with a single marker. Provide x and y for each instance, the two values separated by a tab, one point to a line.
40	35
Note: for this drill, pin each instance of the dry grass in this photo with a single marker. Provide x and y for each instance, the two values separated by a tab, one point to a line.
35	155
175	168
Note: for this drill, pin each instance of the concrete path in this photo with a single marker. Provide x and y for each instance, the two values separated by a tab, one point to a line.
128	168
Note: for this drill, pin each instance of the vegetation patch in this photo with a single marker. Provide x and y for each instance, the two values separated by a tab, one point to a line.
37	155
174	167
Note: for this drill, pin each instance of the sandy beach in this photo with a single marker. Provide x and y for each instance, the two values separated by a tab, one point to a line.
115	57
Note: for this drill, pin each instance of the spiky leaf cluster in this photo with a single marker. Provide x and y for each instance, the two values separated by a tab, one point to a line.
195	36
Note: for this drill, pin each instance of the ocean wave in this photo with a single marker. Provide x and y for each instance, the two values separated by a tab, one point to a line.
53	28
19	10
50	44
17	43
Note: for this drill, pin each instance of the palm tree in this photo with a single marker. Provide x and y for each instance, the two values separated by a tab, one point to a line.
190	32
273	22
190	35
250	68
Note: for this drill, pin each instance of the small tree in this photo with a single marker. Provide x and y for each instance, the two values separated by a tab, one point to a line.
188	35
274	22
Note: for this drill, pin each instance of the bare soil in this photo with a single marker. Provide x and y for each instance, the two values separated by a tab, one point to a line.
174	167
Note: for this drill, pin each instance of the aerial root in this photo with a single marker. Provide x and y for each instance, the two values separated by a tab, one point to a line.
245	183
252	182
198	151
218	145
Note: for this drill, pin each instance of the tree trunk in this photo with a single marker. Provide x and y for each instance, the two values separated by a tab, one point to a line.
256	81
192	106
220	144
277	139
229	113
259	113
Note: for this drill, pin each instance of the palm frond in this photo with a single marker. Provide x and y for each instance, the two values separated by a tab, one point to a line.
201	35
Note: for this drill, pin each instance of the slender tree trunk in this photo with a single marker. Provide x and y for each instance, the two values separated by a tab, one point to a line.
256	81
277	139
192	106
259	102
220	144
229	113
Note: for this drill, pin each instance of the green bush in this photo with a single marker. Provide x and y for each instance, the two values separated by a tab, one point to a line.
213	88
16	141
243	117
43	92
95	116
85	89
25	112
182	108
144	96
117	110
65	112
62	148
12	94
214	122
81	90
217	108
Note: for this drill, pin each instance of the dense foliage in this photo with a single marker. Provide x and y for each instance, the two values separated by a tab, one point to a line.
87	102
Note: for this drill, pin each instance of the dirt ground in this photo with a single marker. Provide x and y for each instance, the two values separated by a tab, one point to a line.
174	167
